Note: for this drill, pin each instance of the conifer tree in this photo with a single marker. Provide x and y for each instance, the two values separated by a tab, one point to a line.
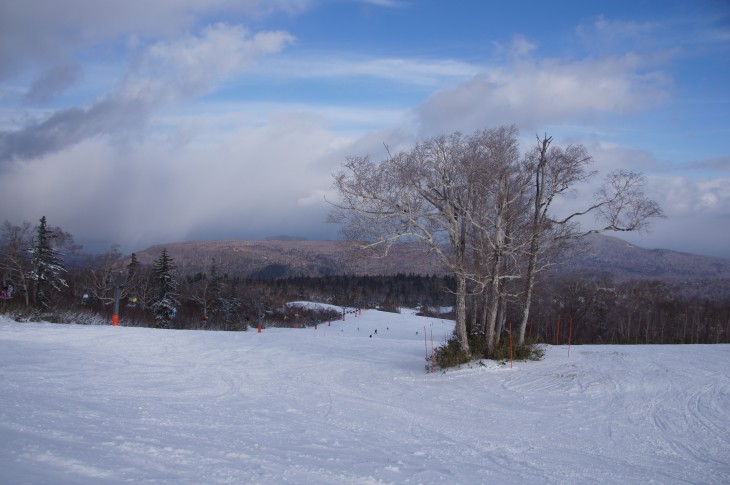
166	301
47	270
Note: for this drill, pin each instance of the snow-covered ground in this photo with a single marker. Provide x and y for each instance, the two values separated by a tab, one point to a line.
102	404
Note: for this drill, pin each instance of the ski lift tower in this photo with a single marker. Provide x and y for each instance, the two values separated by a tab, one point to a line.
118	282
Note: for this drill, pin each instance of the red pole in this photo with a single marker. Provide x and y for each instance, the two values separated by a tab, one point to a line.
115	320
570	335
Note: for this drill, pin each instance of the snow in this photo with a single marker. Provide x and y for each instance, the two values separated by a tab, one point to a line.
102	404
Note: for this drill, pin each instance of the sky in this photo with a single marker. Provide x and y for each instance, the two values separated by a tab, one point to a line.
145	122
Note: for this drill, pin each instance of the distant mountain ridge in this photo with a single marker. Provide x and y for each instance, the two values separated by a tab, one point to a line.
623	260
596	256
282	258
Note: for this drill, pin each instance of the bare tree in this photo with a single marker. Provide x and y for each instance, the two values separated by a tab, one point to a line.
498	205
205	290
102	275
619	205
15	262
421	195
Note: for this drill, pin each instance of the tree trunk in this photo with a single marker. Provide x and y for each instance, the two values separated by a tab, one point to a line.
461	334
529	285
493	309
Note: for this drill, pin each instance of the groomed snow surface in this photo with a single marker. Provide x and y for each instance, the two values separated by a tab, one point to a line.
103	404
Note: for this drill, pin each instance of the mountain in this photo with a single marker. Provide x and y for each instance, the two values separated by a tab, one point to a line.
282	258
600	253
594	256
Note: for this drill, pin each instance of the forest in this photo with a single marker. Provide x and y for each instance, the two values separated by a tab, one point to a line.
46	278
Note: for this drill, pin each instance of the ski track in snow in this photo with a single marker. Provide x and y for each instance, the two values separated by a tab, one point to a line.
343	405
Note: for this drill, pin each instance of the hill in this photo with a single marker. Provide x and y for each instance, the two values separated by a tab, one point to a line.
595	256
282	258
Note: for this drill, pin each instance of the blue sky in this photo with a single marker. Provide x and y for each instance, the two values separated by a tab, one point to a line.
141	122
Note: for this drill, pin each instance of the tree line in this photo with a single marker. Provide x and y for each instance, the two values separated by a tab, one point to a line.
44	274
50	277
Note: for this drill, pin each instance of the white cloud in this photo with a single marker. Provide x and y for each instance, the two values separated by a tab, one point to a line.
254	183
535	93
414	71
520	46
192	65
166	72
48	32
385	3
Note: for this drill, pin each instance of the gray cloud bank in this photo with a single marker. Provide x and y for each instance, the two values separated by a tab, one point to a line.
133	167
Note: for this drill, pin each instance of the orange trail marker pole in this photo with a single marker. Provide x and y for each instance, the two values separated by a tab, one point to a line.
115	315
570	335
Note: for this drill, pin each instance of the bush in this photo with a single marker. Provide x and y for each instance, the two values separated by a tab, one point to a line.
527	351
450	355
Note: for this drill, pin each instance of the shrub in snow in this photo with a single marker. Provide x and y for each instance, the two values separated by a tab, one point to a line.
450	355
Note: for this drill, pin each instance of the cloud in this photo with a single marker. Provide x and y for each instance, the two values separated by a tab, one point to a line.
416	72
193	65
720	164
681	196
166	72
534	93
52	83
110	115
385	3
43	32
253	183
518	47
607	34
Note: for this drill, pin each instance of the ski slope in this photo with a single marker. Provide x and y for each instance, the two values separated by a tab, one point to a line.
345	405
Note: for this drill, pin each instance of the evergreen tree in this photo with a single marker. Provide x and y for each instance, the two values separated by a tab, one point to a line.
166	301
48	270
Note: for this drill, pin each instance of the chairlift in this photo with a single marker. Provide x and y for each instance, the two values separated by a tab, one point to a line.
7	291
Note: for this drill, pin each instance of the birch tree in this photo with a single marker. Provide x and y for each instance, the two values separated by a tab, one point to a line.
102	274
423	195
15	260
618	205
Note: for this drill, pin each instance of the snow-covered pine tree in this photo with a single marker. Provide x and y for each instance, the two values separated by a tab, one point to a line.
166	301
47	268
